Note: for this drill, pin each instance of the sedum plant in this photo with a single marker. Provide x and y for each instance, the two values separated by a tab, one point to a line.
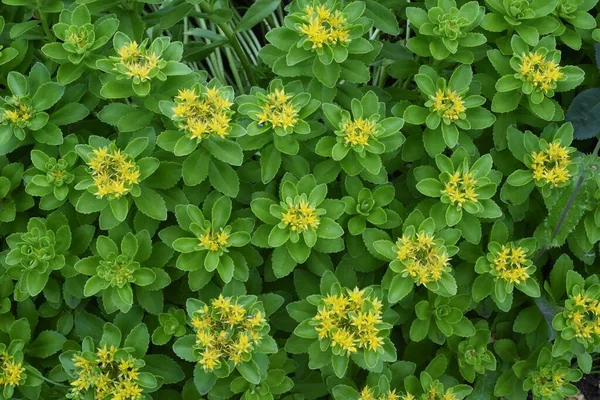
81	41
230	334
446	31
361	136
303	219
573	17
506	266
134	66
324	40
536	73
465	190
212	245
439	318
114	177
366	206
530	19
36	253
345	324
204	131
420	257
278	123
24	113
113	271
549	160
53	178
450	108
112	367
172	324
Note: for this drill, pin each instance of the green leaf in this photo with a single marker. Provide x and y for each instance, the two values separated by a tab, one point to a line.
430	187
257	12
383	18
47	95
223	178
46	344
328	75
400	287
225	150
203	380
250	371
151	204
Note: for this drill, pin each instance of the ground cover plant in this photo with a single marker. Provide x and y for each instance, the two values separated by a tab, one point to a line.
307	199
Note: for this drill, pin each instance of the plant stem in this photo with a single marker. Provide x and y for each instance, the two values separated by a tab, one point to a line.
39	375
570	203
235	44
45	25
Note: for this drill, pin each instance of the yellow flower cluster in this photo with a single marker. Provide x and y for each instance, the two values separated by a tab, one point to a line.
510	264
214	241
278	110
138	63
350	321
424	260
300	217
367	394
461	188
11	372
541	73
17	114
548	382
435	393
78	39
106	376
202	115
450	103
551	165
226	331
359	131
324	26
584	318
113	172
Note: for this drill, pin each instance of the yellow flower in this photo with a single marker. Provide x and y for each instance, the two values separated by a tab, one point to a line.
300	217
584	317
106	354
424	260
542	73
323	26
350	320
359	131
107	375
461	188
551	165
203	114
449	103
367	394
224	332
510	264
16	112
137	62
113	172
278	110
11	372
214	241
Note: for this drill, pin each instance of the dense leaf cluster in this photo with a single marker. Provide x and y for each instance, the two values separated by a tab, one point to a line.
266	199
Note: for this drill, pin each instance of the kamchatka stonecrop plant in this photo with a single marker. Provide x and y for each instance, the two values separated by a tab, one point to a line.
347	324
299	200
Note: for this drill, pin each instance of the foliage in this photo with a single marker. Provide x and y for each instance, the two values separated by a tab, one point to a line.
300	199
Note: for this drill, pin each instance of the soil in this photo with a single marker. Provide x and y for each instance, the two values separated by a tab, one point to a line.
589	386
